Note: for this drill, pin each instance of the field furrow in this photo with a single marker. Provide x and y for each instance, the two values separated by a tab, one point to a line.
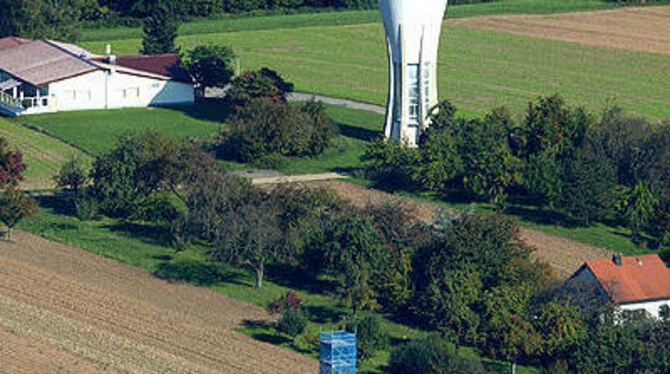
96	312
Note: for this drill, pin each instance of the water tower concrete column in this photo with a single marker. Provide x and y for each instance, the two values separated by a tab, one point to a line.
412	38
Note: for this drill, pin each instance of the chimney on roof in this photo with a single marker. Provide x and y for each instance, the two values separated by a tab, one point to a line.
639	261
617	259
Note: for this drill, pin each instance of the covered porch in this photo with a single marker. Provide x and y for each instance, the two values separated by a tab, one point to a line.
19	97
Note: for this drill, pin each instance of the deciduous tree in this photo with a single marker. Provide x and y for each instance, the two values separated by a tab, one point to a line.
14	207
11	165
211	66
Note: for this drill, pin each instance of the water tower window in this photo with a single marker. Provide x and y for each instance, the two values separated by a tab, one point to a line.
413	87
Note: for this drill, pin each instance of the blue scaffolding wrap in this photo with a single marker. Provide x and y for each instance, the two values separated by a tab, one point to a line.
338	353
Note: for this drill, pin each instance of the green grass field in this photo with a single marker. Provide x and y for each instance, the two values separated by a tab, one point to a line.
478	70
148	247
235	24
96	131
43	154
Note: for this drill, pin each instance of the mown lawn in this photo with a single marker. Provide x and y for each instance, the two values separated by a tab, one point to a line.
148	247
478	70
43	154
96	131
244	23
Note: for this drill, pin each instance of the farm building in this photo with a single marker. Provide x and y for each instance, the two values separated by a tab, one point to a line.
635	284
45	76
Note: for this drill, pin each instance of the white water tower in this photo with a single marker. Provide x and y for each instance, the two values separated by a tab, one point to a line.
412	38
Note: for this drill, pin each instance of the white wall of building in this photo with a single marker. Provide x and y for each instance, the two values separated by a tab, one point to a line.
652	307
127	91
78	93
104	90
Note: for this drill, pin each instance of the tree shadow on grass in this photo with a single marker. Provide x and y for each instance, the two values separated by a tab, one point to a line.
321	314
290	277
264	334
194	272
151	234
209	109
357	132
59	203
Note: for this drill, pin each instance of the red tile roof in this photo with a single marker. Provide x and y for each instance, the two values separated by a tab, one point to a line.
167	65
637	279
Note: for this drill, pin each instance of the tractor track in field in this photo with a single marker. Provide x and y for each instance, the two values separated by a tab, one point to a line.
67	310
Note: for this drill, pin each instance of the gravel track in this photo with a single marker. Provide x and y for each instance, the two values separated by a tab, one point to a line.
67	310
641	29
565	256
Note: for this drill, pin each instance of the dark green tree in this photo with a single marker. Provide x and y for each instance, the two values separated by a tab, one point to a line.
490	168
211	66
34	19
160	30
263	84
588	186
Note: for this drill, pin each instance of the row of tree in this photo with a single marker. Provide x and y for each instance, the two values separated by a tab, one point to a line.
559	158
468	277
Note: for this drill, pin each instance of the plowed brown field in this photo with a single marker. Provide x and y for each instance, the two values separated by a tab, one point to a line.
645	29
564	256
63	310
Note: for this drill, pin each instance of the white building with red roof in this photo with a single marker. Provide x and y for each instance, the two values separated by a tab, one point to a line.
635	284
45	76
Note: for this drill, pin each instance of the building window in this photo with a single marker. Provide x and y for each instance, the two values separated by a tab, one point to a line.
413	88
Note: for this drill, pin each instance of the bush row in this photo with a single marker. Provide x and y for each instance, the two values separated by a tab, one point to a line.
562	159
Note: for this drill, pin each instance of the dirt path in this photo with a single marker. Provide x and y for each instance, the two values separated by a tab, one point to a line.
300	96
564	255
69	311
642	29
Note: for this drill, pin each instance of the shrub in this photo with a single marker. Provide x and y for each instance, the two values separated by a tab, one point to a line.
292	322
433	355
390	164
263	128
273	161
370	336
72	176
264	84
288	301
86	207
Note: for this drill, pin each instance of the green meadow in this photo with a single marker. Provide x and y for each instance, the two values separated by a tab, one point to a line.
96	131
43	154
478	70
234	23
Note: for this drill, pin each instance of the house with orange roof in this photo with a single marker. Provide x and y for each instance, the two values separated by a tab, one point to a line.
46	76
635	284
